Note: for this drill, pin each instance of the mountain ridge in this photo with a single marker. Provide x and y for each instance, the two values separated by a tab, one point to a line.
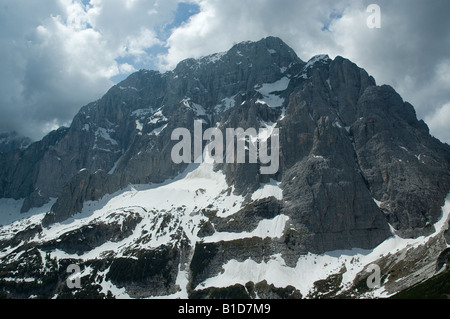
356	168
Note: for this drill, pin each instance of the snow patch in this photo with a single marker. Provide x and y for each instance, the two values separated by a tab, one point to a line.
128	88
142	113
214	58
103	133
312	267
273	228
158	131
197	108
329	84
271	189
113	169
226	104
269	92
323	58
157	117
377	202
167	210
264	133
12	220
139	126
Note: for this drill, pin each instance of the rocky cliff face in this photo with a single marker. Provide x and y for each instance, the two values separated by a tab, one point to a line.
355	164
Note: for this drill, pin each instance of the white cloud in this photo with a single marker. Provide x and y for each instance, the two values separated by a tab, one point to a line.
65	53
61	54
409	52
439	123
126	68
220	24
136	46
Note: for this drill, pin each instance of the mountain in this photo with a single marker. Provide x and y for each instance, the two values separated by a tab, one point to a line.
360	182
11	140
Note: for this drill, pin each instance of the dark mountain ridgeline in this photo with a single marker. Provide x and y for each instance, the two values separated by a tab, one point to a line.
354	158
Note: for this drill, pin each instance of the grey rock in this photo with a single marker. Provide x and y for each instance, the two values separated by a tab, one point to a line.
354	162
82	188
152	273
248	218
443	260
19	168
447	233
93	235
405	168
344	141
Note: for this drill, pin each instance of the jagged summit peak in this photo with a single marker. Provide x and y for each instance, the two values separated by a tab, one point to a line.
270	42
269	48
355	167
269	45
320	58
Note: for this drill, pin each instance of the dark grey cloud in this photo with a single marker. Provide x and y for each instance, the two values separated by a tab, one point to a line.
36	92
410	47
410	52
18	20
58	55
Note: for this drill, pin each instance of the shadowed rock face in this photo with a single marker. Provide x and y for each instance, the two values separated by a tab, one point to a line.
353	156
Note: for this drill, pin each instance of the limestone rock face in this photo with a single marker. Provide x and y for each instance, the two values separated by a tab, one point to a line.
354	159
356	166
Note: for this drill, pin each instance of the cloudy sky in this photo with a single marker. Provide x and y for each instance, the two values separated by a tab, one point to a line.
58	55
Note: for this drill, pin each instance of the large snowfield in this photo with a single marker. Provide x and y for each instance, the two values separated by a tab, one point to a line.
183	199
